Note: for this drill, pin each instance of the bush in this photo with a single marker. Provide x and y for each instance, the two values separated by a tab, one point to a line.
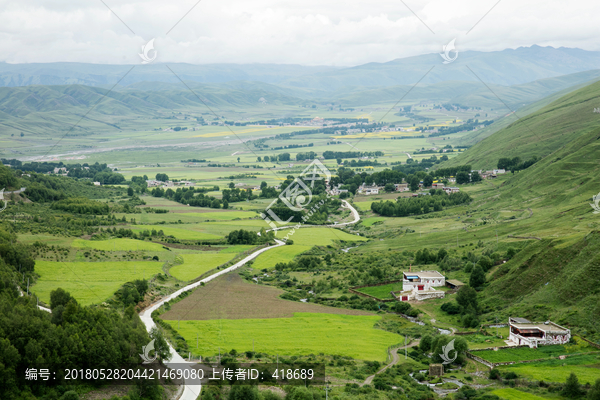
494	374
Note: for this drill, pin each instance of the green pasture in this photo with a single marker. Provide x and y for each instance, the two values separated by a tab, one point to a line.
586	367
90	282
189	217
283	254
527	353
381	292
318	236
514	394
239	248
195	265
179	232
370	221
305	333
117	245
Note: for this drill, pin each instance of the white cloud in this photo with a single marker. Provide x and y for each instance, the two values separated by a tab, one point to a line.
312	32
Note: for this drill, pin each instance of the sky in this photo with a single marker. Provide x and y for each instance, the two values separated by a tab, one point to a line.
311	32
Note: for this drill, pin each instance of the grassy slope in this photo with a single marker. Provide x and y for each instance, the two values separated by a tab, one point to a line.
540	133
195	265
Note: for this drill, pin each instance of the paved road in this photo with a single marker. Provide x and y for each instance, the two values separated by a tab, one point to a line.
395	359
191	392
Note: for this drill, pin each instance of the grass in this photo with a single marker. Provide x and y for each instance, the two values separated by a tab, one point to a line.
514	394
586	367
179	233
526	353
304	334
381	292
189	217
90	282
283	254
195	265
371	220
117	245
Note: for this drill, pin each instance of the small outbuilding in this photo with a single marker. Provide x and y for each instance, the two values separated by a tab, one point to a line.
454	284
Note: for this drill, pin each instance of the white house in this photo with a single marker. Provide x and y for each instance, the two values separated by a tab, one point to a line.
422	279
533	334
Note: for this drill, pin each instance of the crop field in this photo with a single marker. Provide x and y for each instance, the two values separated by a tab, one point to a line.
283	254
117	245
90	282
514	394
370	221
586	367
526	353
179	233
195	265
381	292
303	334
320	236
230	297
188	217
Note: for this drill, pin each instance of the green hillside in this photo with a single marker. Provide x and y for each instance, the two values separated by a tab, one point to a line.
540	133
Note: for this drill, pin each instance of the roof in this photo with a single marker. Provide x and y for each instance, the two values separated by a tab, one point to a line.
530	327
424	274
455	282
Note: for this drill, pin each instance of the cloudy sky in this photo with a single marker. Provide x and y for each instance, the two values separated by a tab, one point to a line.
309	32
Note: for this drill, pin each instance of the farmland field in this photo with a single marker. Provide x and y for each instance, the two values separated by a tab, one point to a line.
188	217
117	245
303	334
230	297
370	221
526	353
283	254
514	394
90	282
586	367
381	292
179	233
195	265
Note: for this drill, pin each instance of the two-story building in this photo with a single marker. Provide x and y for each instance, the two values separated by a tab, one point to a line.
534	334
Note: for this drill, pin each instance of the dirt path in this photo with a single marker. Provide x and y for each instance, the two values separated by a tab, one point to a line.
395	359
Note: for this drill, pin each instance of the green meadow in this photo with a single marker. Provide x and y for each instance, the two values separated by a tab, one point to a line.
514	394
117	245
179	233
188	217
283	254
305	333
90	282
195	265
381	292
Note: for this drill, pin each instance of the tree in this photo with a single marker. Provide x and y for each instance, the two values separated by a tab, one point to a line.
428	181
161	347
258	159
129	191
414	184
162	177
477	278
486	263
225	205
425	344
475	177
59	297
460	347
462	177
572	388
389	187
243	392
238	159
231	185
594	393
467	297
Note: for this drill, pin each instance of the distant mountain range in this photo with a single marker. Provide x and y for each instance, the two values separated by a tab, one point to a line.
506	67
